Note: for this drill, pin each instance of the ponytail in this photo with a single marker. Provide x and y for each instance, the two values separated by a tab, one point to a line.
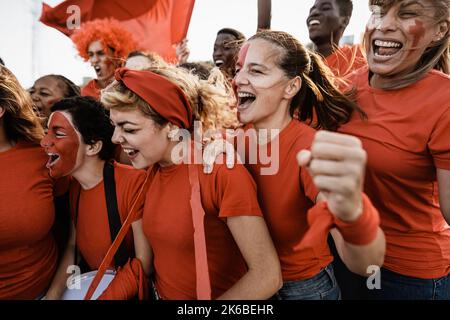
320	102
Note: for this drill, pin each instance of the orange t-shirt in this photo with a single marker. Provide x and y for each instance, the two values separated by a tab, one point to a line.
168	225
93	235
91	90
407	136
346	59
285	198
28	251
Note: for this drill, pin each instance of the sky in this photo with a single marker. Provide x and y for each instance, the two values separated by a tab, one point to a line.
31	49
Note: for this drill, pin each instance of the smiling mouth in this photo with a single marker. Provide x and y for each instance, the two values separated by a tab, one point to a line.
97	69
313	22
52	159
219	63
245	99
131	153
386	48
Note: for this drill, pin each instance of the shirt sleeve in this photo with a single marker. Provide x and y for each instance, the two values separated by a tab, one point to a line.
439	143
236	192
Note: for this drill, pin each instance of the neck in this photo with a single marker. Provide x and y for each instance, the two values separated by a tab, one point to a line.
277	121
5	143
102	84
167	159
90	173
327	47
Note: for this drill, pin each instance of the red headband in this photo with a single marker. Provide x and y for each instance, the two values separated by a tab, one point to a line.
166	98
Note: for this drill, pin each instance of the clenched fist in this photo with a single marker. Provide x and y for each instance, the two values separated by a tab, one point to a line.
337	164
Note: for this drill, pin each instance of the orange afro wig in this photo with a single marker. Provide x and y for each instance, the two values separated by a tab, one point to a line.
110	32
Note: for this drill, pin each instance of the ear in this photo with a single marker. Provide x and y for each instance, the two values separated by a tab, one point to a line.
293	87
344	21
94	149
441	32
172	131
2	111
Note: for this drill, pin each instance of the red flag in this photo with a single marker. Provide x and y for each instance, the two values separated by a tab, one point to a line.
155	24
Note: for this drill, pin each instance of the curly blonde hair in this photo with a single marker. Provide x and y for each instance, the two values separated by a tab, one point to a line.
211	101
110	32
19	120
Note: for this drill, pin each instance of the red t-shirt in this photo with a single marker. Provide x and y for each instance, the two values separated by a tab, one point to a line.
28	251
91	90
93	235
407	136
346	59
285	198
168	225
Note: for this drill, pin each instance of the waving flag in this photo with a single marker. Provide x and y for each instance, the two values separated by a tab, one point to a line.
155	24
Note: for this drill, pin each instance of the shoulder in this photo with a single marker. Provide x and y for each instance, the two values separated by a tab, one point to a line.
127	175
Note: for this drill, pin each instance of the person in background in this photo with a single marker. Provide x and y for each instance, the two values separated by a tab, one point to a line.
226	48
48	90
139	60
105	44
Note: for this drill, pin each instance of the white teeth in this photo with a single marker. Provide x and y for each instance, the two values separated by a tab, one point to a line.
314	22
387	44
245	95
130	151
219	62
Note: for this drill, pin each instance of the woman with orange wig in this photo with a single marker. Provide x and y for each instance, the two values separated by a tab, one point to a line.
105	44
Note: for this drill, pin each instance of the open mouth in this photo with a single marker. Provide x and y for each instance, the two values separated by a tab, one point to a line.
245	99
313	22
52	159
219	63
386	48
97	69
131	153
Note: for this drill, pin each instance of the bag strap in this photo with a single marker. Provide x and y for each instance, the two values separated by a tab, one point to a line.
121	256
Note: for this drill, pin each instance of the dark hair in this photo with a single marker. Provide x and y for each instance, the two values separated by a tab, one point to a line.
318	96
237	34
1	62
201	69
70	88
345	7
91	119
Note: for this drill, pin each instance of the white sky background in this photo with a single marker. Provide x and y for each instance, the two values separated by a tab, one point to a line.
30	49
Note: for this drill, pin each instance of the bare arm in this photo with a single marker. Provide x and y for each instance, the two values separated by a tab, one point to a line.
337	164
142	248
264	14
263	278
59	283
443	177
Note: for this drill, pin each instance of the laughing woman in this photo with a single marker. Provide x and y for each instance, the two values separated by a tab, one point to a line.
79	144
230	255
405	92
280	82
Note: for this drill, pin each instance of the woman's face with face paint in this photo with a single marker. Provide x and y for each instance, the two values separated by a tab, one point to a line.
63	145
396	37
260	83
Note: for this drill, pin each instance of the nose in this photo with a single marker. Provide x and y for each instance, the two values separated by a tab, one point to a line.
387	22
46	142
314	11
94	58
240	78
117	137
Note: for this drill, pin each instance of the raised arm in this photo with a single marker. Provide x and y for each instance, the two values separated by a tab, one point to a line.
264	14
337	163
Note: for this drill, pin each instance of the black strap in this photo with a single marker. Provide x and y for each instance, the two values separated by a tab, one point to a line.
121	256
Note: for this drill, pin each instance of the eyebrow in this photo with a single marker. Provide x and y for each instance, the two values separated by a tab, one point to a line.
57	128
122	123
409	3
254	64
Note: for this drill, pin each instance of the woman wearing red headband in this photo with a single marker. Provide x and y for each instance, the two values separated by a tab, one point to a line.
207	234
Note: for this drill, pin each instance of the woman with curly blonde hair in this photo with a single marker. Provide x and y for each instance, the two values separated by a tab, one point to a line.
28	251
105	44
211	241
